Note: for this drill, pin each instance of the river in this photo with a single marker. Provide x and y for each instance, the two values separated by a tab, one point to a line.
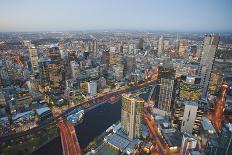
95	122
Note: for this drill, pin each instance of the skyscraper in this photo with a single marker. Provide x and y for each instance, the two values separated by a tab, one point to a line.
160	46
207	59
166	95
34	59
132	115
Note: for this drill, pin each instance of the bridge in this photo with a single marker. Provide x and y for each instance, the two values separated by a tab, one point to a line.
53	121
69	139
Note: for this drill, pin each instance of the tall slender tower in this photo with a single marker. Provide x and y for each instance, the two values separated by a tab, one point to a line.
207	59
34	59
160	46
132	115
219	107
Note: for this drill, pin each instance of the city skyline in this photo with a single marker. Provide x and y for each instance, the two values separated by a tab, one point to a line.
178	15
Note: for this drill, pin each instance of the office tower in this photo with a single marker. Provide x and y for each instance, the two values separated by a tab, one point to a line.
56	73
34	59
130	64
106	57
117	71
113	56
193	51
207	59
187	116
92	88
219	108
189	142
160	46
75	69
141	44
132	115
94	48
215	82
222	144
166	95
190	88
54	52
2	99
182	48
166	44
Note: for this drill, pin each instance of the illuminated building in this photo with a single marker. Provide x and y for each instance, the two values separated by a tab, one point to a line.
132	115
166	95
165	72
2	99
160	46
182	46
187	116
34	59
113	56
190	89
207	60
155	73
215	82
219	108
222	144
188	142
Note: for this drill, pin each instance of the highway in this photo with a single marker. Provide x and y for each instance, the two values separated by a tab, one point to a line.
53	121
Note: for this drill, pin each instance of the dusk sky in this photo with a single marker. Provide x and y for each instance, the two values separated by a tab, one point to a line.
75	15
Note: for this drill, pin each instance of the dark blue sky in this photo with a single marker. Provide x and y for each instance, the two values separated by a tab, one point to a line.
65	15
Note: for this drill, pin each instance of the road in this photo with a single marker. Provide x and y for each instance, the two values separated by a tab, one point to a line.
162	148
53	121
69	140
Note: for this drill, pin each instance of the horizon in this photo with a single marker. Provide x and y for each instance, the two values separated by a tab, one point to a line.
160	15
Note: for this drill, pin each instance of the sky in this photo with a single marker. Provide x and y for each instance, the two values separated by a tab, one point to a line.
77	15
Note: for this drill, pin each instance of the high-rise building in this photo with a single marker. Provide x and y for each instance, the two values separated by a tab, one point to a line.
160	46
222	144
132	115
113	56
75	69
130	64
189	142
190	88
34	59
207	59
94	48
106	57
167	94
187	116
54	52
92	88
215	82
141	44
182	48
